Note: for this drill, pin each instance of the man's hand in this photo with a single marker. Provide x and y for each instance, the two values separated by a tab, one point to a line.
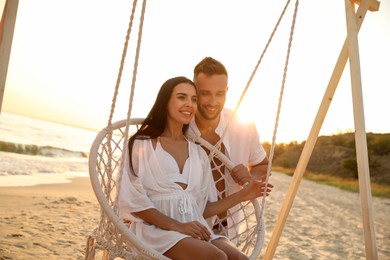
240	174
259	171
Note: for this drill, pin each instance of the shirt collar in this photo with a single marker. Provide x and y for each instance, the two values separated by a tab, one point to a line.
223	120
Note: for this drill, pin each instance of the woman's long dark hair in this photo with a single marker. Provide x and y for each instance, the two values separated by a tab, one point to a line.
156	121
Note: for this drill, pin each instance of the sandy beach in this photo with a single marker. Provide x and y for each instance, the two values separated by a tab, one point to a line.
52	221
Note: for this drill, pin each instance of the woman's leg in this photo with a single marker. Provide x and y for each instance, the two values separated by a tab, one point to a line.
229	248
192	248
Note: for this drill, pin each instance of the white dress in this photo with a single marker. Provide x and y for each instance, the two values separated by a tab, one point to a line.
153	188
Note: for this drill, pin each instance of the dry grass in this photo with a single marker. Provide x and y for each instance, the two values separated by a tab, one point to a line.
378	190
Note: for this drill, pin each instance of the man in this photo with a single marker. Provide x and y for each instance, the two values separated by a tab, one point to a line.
238	141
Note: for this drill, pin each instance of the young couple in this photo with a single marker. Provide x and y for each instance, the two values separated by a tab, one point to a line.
167	190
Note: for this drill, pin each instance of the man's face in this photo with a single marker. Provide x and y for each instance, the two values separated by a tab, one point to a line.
211	95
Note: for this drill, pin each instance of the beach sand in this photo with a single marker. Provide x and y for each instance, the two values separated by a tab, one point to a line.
53	221
49	221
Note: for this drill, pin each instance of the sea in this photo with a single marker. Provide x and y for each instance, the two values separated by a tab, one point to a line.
35	151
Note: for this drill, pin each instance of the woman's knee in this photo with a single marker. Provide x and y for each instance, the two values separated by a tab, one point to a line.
230	250
214	252
195	249
240	256
236	255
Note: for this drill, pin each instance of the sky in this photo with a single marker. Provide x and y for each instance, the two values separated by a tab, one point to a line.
66	55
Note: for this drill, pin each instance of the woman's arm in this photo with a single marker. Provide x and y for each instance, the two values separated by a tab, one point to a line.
155	217
252	190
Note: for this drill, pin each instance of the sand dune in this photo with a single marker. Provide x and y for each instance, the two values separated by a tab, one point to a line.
53	221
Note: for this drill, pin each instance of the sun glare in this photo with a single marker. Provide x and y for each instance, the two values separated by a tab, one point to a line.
245	114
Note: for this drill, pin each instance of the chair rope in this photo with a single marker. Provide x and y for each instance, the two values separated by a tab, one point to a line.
122	63
272	149
102	232
135	69
257	65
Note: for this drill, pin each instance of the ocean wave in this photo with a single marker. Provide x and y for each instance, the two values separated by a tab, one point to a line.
32	149
13	164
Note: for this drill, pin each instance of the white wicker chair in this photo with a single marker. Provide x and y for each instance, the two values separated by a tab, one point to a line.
112	237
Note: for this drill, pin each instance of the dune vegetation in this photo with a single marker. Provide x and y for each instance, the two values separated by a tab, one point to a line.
333	161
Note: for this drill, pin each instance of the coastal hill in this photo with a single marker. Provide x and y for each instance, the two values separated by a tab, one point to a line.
335	156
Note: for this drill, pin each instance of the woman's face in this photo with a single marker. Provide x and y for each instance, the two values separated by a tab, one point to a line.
182	103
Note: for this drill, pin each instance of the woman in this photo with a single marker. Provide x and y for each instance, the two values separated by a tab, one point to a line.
167	190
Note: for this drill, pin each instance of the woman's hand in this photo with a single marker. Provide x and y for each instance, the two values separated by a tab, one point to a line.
252	190
194	229
255	189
